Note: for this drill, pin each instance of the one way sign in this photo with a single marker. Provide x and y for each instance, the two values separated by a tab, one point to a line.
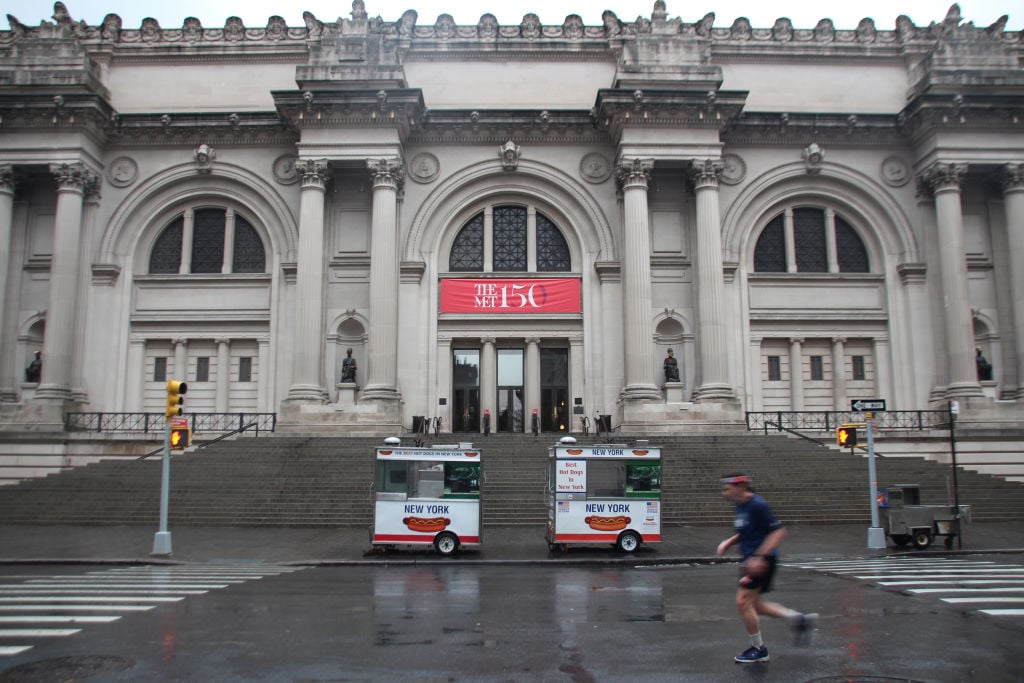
861	405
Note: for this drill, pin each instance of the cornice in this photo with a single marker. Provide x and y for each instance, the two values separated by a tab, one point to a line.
659	107
69	111
218	129
963	109
774	129
394	107
497	126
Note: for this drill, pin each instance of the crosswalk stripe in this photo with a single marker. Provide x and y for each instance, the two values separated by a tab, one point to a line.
958	582
991	599
1003	612
979	591
97	597
37	632
55	619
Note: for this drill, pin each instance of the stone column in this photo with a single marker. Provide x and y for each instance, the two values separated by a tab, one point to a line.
839	373
944	182
307	369
714	384
229	241
135	377
7	392
382	374
79	361
796	373
188	229
830	241
180	369
443	382
790	240
488	382
1013	198
577	382
61	310
883	368
264	378
223	375
633	177
532	380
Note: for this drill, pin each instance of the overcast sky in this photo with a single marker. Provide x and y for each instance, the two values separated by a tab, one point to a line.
762	14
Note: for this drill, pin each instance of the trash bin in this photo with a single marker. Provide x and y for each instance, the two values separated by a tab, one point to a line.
417	424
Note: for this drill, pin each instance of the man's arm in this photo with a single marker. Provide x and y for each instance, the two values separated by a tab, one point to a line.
728	543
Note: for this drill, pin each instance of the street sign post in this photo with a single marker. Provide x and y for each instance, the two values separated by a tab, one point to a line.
863	405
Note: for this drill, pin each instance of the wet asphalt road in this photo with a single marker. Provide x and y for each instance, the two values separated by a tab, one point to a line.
494	623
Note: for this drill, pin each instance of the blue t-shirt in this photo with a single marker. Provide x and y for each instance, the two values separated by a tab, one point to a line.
754	521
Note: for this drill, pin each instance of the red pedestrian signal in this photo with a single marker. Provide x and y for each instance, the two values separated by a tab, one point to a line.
181	438
846	437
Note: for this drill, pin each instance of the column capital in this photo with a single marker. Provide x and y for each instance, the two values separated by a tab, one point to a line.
634	172
387	172
179	341
796	340
75	177
838	340
222	341
7	179
941	176
706	173
487	340
314	172
1011	178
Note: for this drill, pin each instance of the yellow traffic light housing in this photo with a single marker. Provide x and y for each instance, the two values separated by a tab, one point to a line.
175	400
846	437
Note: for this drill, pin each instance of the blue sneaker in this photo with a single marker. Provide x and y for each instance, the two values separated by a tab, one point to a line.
803	628
753	654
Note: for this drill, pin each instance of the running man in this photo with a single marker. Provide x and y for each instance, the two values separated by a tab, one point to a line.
759	534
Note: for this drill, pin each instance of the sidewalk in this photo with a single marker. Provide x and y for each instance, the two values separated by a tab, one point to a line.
501	544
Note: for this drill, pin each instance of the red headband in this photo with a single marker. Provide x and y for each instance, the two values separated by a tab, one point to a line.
741	479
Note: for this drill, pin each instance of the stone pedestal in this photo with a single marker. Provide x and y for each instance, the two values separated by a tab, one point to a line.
346	394
673	392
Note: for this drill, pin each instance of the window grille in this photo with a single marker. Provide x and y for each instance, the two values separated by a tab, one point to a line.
166	255
203	369
552	250
770	252
774	369
468	249
509	238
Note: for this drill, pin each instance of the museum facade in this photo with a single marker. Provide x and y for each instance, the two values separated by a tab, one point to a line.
508	221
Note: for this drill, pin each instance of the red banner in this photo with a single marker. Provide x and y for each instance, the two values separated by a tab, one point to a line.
548	295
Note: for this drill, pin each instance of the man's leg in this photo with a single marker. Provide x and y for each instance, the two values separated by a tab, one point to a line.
746	603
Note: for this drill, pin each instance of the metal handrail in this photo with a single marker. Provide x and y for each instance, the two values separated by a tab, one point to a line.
827	420
149	423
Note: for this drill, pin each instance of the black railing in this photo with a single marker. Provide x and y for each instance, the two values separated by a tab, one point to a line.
828	420
154	423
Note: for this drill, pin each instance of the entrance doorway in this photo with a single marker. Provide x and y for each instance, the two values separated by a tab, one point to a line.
554	390
510	391
466	390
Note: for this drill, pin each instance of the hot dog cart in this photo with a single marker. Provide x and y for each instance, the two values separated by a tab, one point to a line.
906	520
603	494
425	496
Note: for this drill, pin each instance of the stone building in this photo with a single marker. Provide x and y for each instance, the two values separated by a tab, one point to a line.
502	219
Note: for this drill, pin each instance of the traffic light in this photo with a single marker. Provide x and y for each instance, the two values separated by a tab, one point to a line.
846	437
181	437
175	401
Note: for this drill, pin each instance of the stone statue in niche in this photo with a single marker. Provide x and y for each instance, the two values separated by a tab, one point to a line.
348	368
671	367
35	368
984	367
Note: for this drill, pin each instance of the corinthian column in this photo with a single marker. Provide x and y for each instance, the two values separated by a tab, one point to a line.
714	383
307	372
944	182
382	374
6	219
1013	201
61	309
636	283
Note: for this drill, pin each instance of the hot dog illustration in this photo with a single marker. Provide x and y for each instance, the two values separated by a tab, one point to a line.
426	524
607	523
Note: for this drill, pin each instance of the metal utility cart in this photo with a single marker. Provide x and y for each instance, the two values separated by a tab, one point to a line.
905	520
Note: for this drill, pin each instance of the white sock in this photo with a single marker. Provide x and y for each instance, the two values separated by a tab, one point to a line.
756	640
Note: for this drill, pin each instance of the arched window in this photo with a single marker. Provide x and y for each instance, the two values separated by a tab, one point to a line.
821	242
510	229
214	232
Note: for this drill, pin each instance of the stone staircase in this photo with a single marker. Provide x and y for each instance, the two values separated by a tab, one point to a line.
325	482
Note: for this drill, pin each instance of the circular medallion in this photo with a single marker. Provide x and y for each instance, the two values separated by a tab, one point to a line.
424	167
595	168
122	172
285	171
895	172
734	169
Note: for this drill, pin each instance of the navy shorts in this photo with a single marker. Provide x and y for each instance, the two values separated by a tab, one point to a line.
763	582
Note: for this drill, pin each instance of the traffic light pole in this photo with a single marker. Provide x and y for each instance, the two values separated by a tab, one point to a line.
876	534
162	539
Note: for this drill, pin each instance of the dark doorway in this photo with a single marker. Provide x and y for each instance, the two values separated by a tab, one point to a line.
554	390
466	390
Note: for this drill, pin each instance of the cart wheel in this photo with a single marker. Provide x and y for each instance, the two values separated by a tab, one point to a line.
922	539
628	541
900	539
446	543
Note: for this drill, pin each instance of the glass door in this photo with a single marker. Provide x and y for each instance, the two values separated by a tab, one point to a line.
510	391
466	390
554	390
